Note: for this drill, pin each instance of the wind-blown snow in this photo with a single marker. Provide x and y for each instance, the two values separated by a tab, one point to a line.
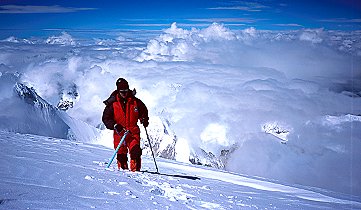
278	104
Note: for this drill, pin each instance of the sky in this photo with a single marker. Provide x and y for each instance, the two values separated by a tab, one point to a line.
29	17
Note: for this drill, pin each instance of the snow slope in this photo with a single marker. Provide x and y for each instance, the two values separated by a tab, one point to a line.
39	172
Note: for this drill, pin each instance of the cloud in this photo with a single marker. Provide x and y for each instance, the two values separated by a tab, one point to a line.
236	8
288	25
167	24
195	22
342	20
146	24
314	36
19	9
199	81
212	20
243	6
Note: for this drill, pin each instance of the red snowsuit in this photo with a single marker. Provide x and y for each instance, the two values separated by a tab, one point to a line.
126	112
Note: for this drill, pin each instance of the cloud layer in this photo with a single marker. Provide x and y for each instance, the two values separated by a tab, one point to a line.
217	90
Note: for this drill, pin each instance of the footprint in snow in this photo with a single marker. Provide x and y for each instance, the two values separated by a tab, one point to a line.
129	193
157	191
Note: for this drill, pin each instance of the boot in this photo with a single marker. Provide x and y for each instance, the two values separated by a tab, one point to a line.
122	161
123	166
135	164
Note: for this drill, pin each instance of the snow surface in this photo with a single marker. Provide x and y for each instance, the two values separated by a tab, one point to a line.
283	105
40	172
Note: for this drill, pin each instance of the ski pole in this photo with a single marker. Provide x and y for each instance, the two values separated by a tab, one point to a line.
116	150
146	132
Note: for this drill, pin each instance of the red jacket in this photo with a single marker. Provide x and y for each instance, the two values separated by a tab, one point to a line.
125	112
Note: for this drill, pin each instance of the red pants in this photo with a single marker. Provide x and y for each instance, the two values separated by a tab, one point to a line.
131	143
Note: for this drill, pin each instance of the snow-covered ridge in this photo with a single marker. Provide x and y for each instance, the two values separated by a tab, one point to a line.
31	97
277	130
77	129
13	39
36	116
63	39
74	173
337	120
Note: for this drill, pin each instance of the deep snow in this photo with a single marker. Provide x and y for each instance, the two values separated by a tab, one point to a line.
283	105
38	172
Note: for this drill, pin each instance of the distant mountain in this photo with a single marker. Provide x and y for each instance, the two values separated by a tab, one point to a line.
27	112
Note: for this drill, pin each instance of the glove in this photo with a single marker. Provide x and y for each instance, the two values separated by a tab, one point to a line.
145	122
118	127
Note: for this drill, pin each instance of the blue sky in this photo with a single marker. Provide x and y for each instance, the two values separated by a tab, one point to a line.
25	16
